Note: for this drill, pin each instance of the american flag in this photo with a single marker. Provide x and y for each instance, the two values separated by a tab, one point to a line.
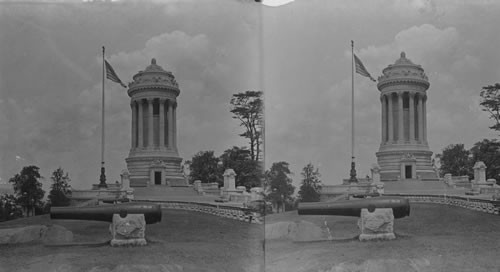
360	68
111	75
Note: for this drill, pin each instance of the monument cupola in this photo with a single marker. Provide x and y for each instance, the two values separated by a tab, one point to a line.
153	157
403	71
404	151
153	77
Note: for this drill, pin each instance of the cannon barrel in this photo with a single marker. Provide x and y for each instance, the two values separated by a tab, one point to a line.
400	206
152	212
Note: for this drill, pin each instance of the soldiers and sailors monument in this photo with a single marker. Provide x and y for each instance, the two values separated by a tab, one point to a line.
154	158
404	151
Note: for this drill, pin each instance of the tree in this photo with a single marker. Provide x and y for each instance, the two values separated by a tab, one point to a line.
279	184
248	108
491	103
204	166
311	184
8	208
488	151
248	172
60	189
455	161
28	189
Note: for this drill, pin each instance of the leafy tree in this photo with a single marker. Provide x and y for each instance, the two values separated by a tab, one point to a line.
311	184
60	189
204	166
491	103
8	208
455	160
248	172
488	151
279	184
248	108
28	189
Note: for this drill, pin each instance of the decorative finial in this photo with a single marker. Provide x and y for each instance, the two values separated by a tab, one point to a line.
153	61
403	55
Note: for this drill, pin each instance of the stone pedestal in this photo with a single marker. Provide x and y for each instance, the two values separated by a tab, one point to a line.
229	180
125	186
128	231
376	225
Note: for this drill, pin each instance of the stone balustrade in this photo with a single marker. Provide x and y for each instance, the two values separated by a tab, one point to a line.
482	205
236	213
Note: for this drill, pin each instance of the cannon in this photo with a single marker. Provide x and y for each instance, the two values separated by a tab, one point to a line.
152	212
400	206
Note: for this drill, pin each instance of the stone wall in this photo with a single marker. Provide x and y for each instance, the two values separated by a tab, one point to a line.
236	213
482	205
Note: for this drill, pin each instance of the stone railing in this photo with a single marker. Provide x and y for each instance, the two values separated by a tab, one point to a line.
236	213
482	205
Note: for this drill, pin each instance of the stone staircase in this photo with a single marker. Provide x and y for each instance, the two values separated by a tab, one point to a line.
166	193
419	187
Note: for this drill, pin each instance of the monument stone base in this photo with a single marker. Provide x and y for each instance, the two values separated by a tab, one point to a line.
376	225
128	230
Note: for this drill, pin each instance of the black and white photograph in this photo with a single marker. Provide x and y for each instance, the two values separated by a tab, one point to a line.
242	135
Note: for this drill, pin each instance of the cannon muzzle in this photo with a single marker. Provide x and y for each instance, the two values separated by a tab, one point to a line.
400	206
152	212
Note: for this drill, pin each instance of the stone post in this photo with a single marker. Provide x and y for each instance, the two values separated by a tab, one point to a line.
375	173
126	184
480	172
447	179
229	180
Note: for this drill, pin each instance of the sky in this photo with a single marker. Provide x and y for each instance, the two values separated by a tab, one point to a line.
298	54
307	76
51	78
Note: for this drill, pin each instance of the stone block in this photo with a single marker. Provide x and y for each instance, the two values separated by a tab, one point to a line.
376	225
129	230
22	235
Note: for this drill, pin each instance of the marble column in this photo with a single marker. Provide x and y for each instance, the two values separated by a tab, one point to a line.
411	109
162	123
150	123
384	114
134	124
140	132
170	123
400	118
424	118
420	122
174	119
390	119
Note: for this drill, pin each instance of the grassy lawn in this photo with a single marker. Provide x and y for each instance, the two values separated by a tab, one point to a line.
434	238
194	241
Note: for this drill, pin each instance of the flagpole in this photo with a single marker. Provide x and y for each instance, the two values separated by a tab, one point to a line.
102	178
353	164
